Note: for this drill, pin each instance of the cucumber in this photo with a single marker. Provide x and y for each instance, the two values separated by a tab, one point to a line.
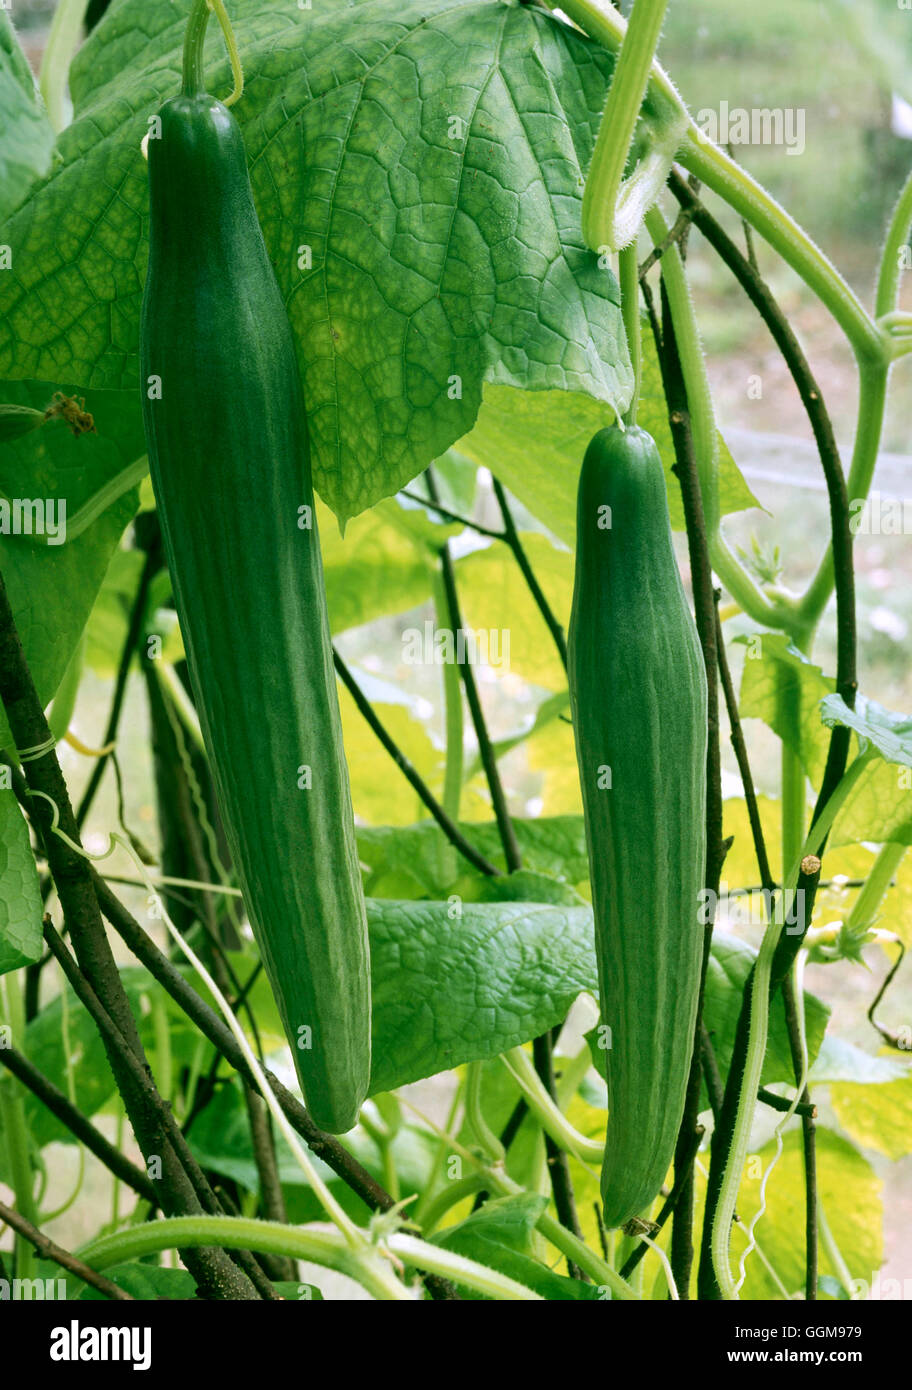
228	451
638	699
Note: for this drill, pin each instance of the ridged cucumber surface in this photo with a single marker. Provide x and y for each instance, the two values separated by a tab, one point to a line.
638	694
228	450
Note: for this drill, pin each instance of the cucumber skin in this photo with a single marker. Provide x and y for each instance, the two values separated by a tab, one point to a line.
638	698
230	463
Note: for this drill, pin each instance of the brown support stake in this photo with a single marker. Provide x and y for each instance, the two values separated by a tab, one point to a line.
168	1129
216	1274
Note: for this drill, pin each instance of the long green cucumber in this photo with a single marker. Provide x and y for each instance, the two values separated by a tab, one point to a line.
229	457
638	695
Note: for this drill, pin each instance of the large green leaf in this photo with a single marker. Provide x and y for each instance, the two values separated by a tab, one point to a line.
418	169
879	809
878	1115
20	897
455	984
25	149
889	731
379	567
794	697
52	587
491	585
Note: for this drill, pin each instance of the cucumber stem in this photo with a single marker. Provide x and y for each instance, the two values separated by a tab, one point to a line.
193	85
602	194
194	40
629	280
58	53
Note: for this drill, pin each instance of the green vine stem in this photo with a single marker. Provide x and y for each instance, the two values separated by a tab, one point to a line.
72	1098
58	53
629	280
494	1179
15	1131
193	80
572	1071
732	183
111	492
759	1027
550	1117
872	382
693	366
769	612
63	705
574	1249
161	1031
48	1216
891	260
800	1092
456	1190
194	37
719	172
176	694
372	1123
602	21
427	1197
872	894
837	1259
613	206
319	1244
484	1136
453	713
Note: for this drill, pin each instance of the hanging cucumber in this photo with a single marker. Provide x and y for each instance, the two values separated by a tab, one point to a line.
638	693
228	451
